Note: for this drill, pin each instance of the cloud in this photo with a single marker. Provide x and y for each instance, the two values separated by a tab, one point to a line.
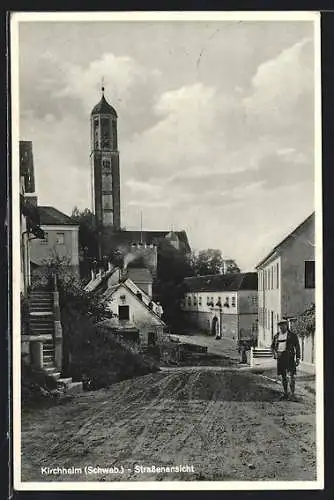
282	89
223	149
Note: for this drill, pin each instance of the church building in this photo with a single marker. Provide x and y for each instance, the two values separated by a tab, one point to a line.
105	165
106	198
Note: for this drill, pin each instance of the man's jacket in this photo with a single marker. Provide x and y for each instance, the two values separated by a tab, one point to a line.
292	344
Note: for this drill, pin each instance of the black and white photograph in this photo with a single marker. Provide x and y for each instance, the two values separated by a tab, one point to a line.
167	250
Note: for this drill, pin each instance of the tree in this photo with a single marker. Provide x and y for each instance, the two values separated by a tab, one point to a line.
88	235
211	261
232	267
208	262
173	267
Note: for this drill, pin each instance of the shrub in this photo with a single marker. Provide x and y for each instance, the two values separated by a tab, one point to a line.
304	325
100	358
37	387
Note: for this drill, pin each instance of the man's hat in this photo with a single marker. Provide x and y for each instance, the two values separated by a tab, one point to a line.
283	322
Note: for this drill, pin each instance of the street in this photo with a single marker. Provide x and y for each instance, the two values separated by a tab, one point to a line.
228	424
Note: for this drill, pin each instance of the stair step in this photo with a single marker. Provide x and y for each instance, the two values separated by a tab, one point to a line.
48	324
74	387
49	363
42	330
65	380
50	369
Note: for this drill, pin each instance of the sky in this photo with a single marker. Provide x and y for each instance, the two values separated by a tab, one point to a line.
215	127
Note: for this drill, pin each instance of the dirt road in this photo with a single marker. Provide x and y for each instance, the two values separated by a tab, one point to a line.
227	425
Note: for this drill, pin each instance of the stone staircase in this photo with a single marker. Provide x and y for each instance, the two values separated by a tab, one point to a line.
261	357
41	319
262	352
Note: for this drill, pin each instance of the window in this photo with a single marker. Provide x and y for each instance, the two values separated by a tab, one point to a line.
277	275
233	301
107	201
45	240
309	274
114	134
189	300
123	313
60	238
152	338
254	300
106	167
195	300
200	300
105	129
207	300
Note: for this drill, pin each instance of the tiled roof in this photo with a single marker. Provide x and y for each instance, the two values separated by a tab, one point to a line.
222	282
103	107
149	237
286	239
52	216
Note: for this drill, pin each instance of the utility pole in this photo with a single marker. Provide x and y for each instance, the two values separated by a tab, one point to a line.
141	226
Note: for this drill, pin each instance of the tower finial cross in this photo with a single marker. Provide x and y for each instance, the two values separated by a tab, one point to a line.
102	85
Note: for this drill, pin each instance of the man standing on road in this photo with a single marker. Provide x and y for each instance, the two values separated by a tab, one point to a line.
286	350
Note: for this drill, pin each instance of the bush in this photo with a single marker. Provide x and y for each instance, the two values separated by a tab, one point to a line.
304	325
101	359
37	387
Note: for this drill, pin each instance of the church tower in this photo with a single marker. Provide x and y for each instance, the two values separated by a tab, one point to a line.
105	166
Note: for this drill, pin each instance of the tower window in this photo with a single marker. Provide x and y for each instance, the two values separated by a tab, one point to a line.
105	132
106	167
114	134
107	201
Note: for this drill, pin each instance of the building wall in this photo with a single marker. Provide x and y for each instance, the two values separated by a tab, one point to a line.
25	277
307	350
42	251
248	326
239	320
269	300
139	315
281	283
236	321
295	297
247	301
229	326
198	301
